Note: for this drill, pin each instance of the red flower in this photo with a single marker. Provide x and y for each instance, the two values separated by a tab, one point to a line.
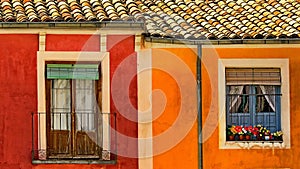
238	129
254	131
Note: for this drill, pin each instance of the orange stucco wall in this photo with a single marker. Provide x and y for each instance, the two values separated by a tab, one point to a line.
248	158
169	82
175	141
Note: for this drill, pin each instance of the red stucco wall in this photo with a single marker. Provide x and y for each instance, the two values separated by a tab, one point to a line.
61	42
18	95
18	98
123	63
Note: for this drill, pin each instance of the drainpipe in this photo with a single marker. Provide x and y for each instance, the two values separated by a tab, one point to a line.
199	103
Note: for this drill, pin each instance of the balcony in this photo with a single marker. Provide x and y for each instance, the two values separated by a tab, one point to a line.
77	138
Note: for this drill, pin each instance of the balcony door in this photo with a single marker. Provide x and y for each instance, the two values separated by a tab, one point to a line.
73	128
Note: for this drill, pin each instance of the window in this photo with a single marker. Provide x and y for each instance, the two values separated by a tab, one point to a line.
253	97
282	111
73	112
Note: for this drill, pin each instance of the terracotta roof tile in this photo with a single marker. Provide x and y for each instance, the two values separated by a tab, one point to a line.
187	19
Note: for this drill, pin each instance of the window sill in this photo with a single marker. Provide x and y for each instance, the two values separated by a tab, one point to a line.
254	145
85	161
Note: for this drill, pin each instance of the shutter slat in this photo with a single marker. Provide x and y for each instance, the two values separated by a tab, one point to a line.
263	76
72	71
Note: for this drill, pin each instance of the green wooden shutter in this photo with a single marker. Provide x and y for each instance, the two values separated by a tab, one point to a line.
72	71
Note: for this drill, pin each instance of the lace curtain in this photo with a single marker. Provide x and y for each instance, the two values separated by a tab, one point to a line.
85	103
269	94
236	99
61	105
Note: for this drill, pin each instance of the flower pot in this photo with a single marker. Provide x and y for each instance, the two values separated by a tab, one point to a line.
259	138
278	138
267	137
248	137
236	137
241	137
231	137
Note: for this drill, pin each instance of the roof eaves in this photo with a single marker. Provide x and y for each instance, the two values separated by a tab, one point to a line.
222	41
102	24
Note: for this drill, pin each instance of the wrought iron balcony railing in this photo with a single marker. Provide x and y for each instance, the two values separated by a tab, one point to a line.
74	136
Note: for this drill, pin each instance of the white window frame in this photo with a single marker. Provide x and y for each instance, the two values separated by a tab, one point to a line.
42	58
283	64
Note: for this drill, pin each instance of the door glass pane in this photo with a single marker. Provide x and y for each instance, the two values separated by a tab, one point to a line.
61	105
85	105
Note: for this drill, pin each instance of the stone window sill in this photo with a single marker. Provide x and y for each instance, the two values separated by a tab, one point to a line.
76	161
254	145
